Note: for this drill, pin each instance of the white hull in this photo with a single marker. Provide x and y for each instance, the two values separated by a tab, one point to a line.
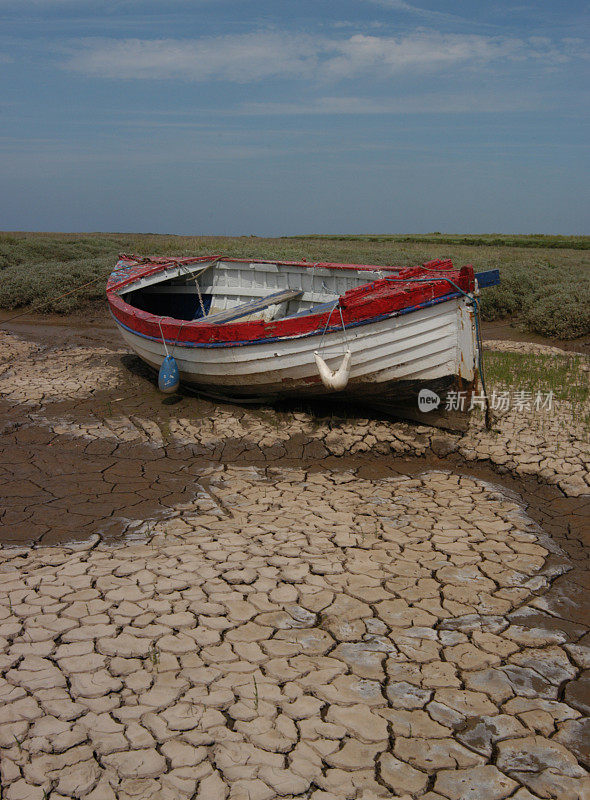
423	346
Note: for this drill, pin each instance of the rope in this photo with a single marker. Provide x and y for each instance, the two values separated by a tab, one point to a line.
326	327
334	307
343	327
140	259
472	301
52	299
179	332
197	287
196	277
488	413
162	335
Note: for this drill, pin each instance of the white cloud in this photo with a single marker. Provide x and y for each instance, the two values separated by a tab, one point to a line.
438	103
422	50
401	5
409	8
256	56
237	58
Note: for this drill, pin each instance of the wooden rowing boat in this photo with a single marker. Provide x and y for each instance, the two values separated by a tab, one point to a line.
254	330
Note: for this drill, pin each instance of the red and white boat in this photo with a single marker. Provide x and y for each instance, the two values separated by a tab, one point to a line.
259	330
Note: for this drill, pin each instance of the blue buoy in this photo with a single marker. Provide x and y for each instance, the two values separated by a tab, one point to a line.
168	377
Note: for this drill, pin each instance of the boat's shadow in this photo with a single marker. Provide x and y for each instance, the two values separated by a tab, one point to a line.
328	409
137	367
319	409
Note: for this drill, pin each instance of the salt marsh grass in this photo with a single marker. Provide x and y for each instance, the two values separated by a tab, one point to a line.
545	279
565	376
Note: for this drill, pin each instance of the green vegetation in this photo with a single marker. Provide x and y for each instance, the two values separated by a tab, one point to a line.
550	297
480	240
545	279
533	372
565	376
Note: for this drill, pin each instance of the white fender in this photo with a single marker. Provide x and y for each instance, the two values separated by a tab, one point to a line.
338	379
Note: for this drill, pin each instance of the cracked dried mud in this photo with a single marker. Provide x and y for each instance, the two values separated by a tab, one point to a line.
204	601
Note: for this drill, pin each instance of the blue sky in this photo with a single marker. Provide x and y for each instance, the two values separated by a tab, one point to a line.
274	117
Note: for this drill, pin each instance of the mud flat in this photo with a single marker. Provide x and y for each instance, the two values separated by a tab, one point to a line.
205	601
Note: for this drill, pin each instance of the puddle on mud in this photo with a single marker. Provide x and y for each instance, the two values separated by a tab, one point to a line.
57	488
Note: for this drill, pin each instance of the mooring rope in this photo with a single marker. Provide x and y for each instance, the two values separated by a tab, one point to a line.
139	259
52	299
327	325
471	300
343	326
197	287
162	335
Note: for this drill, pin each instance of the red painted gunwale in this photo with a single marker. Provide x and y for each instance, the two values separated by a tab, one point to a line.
374	299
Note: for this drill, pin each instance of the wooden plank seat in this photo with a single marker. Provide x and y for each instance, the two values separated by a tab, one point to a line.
315	309
245	309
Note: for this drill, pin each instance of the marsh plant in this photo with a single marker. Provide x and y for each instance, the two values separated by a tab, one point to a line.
545	279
